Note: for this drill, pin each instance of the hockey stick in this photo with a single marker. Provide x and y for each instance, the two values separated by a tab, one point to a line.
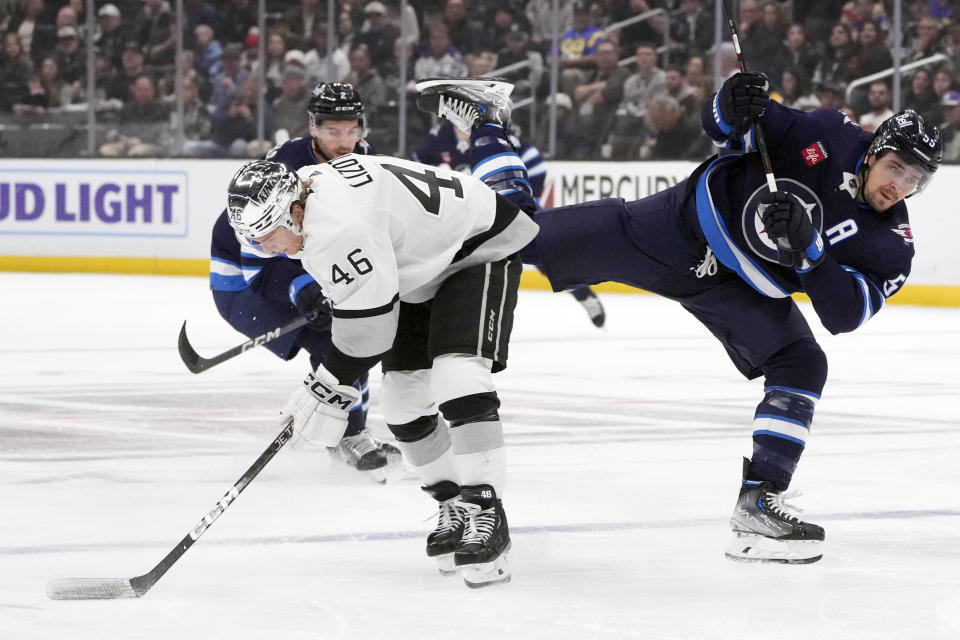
197	363
113	588
761	139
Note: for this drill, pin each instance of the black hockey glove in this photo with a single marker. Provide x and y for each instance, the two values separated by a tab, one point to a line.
788	226
311	298
743	97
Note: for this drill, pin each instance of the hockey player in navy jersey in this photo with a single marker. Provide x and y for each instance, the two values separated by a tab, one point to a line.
449	145
731	252
255	291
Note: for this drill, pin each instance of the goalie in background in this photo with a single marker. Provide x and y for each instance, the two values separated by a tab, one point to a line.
254	291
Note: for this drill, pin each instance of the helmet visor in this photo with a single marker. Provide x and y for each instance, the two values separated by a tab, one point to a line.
909	174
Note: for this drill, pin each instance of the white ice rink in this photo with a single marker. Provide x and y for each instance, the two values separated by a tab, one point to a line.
624	453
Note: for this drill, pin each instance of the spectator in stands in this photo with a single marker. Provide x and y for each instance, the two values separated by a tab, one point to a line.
466	30
838	64
380	38
365	78
626	133
196	13
873	55
950	127
517	50
58	92
276	52
504	23
572	143
831	96
236	21
578	49
406	23
795	89
196	120
670	135
925	40
857	12
67	17
321	65
817	17
140	131
110	35
207	51
748	26
766	47
540	16
289	107
942	82
442	59
920	95
692	27
599	97
34	102
37	36
156	30
694	70
304	19
881	103
131	67
649	30
797	51
233	129
228	82
71	59
15	69
675	85
346	33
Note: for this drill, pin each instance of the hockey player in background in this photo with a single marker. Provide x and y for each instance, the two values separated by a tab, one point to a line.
255	292
449	145
731	252
420	267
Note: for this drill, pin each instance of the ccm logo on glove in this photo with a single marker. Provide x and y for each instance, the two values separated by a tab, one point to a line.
327	395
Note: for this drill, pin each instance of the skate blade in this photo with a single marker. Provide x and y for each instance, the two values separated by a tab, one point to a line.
751	547
486	574
494	85
446	566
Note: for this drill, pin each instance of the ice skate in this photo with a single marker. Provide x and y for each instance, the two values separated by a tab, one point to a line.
766	530
466	102
594	309
363	453
481	555
445	537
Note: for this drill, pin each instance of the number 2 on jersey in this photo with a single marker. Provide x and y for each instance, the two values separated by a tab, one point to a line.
430	202
360	265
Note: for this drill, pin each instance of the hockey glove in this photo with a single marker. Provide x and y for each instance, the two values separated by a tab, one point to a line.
310	298
742	98
319	409
788	226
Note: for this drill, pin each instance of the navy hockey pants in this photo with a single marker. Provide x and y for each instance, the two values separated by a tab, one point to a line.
648	244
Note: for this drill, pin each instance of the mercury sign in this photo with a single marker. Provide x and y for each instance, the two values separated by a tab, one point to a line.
53	201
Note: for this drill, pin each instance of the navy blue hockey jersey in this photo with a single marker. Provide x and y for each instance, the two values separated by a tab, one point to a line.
816	157
233	268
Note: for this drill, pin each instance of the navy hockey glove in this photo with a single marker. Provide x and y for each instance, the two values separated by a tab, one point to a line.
310	298
788	225
742	98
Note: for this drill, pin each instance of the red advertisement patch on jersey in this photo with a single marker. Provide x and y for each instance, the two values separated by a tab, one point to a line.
814	154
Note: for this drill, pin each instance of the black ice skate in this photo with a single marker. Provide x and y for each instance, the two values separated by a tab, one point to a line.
594	309
443	540
363	453
481	555
765	529
466	102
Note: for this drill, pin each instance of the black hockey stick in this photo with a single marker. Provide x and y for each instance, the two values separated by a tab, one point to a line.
113	588
197	363
761	139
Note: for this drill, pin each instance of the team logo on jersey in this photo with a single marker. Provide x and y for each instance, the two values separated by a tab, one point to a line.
815	154
753	231
903	230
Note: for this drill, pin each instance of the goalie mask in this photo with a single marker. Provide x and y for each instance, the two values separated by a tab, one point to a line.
260	196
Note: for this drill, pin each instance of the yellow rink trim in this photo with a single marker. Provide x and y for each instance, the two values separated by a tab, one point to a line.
921	295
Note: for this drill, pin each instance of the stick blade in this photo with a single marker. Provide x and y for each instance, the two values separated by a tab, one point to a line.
188	354
92	589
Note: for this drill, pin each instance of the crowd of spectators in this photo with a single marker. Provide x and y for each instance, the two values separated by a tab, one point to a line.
632	92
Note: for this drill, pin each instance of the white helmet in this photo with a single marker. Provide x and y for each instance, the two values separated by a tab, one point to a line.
260	196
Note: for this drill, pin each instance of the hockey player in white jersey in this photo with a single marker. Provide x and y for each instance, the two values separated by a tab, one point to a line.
420	267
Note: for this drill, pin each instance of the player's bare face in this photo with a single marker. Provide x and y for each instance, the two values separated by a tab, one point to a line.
334	138
889	181
281	240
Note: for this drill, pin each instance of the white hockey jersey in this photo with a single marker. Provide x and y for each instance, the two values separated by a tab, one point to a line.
379	229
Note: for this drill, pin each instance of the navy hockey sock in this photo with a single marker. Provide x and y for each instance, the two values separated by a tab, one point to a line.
781	425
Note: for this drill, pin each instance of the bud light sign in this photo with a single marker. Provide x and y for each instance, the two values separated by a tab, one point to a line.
101	202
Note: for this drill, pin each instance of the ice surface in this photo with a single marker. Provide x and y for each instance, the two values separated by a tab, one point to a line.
624	452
